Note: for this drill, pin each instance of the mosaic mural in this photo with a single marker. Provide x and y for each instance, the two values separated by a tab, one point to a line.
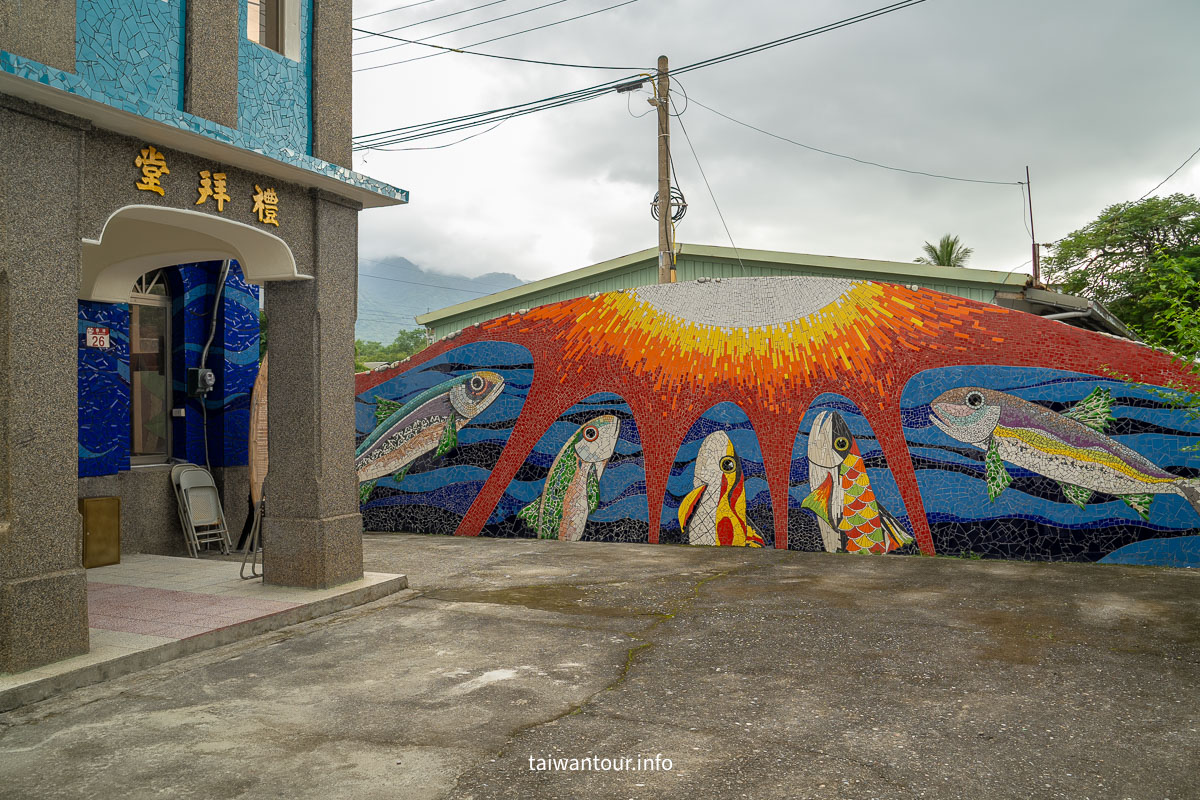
881	419
104	391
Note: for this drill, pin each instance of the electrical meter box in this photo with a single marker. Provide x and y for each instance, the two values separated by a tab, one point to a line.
101	530
200	381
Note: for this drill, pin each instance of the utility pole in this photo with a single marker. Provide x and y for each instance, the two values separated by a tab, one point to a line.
1037	271
666	254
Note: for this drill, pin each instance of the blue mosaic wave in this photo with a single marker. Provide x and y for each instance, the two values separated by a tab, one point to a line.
104	436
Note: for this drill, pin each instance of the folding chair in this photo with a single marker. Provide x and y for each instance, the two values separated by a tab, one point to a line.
200	513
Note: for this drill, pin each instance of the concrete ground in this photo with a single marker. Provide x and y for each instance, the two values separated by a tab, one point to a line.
758	674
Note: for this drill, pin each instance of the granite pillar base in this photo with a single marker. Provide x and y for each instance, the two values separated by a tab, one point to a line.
42	619
313	553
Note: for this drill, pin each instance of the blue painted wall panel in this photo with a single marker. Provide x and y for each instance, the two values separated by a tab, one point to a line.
274	92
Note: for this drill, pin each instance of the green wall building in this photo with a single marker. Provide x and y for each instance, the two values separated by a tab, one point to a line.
704	261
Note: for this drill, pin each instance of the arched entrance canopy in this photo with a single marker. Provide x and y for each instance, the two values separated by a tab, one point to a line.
137	239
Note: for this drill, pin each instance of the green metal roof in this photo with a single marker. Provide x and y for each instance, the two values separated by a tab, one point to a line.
637	269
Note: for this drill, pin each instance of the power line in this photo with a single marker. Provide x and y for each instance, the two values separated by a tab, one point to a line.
407	133
506	36
1157	186
390	10
852	158
426	129
795	37
688	139
465	27
431	19
491	55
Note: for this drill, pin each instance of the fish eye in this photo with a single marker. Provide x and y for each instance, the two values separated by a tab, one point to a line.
841	443
477	383
974	399
728	464
591	433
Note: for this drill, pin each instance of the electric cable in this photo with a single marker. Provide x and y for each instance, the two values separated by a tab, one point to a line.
506	36
852	158
1157	186
486	117
463	28
493	55
440	146
431	19
795	37
390	10
707	185
1024	215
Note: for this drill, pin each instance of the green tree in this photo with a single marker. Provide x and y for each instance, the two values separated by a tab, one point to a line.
407	343
1139	259
948	252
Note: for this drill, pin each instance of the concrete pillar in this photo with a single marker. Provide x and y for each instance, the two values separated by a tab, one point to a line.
43	590
312	533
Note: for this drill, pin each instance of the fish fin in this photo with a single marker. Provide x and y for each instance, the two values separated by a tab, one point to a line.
364	491
688	507
1139	503
450	437
818	500
593	489
1094	411
530	513
384	408
895	529
998	478
1076	494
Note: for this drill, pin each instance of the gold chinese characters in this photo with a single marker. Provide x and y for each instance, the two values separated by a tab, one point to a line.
266	205
154	166
212	185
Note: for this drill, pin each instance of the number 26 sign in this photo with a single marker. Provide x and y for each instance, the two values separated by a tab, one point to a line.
98	337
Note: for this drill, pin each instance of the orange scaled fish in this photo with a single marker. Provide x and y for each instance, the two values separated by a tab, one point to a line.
849	515
714	512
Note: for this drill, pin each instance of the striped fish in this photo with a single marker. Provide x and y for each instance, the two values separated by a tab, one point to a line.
1070	447
714	512
848	514
429	421
572	489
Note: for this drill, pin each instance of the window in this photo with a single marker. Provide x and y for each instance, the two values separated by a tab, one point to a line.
150	370
263	23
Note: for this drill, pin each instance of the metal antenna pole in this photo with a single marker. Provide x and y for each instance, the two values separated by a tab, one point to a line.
1037	270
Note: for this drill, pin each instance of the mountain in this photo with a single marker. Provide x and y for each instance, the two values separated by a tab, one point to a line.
391	291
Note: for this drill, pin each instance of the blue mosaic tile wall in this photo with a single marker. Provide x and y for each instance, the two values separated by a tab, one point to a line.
132	49
114	62
104	391
275	92
104	395
233	357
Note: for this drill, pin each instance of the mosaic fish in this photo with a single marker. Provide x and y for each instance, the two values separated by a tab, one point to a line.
714	512
429	421
1070	447
847	512
572	490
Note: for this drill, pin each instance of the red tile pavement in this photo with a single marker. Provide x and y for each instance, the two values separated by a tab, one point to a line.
170	613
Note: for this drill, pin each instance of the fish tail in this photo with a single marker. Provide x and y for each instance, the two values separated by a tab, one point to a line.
1190	489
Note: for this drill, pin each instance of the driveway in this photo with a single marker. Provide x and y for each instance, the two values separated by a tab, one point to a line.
750	673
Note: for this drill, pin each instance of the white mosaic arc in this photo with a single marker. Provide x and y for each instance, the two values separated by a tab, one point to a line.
745	302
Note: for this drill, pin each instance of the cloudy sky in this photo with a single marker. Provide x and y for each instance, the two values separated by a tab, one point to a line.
1098	97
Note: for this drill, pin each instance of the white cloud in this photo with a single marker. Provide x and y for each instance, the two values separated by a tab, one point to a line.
1094	96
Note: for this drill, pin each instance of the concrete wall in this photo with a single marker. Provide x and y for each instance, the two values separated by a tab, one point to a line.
43	31
43	611
794	412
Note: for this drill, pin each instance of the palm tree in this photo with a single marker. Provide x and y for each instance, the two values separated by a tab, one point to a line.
949	252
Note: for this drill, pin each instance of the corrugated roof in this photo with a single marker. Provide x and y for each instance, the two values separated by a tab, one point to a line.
902	271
